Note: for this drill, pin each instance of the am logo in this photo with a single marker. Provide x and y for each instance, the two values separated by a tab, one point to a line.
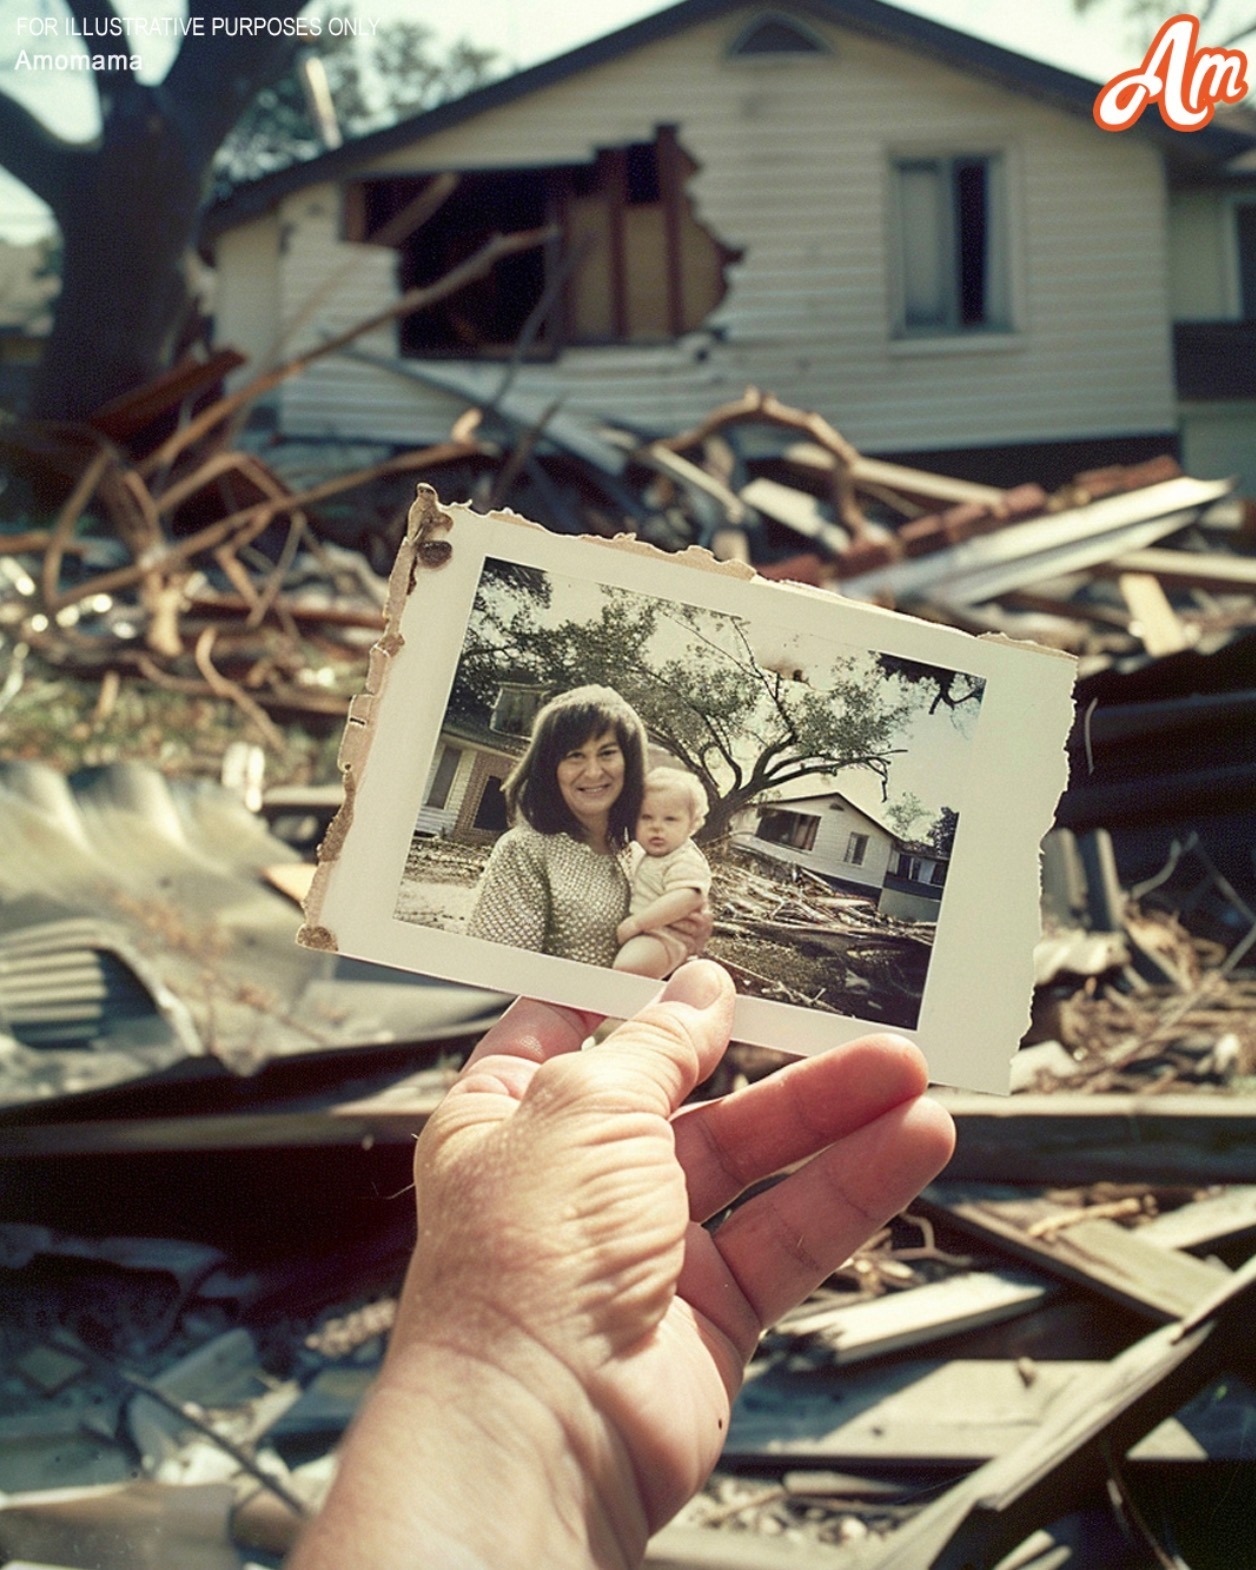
1187	82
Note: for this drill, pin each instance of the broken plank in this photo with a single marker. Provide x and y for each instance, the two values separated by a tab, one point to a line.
981	1518
348	1125
927	1412
1217	1218
919	484
1043	547
858	1331
1064	1138
1097	1254
947	1413
1189	569
797	510
1152	618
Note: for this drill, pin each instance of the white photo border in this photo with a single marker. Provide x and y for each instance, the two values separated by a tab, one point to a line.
975	1004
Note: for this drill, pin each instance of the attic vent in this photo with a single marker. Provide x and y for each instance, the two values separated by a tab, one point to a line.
776	34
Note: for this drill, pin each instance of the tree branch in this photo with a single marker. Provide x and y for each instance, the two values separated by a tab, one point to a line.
44	162
216	75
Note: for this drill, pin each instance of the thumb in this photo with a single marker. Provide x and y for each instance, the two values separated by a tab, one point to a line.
672	1044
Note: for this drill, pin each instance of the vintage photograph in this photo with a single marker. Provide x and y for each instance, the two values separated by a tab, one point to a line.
582	762
624	780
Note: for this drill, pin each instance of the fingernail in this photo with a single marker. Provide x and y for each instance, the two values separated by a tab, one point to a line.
698	983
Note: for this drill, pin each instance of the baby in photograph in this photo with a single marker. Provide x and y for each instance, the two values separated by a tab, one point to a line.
671	876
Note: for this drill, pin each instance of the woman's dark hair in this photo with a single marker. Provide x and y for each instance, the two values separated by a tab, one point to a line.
563	725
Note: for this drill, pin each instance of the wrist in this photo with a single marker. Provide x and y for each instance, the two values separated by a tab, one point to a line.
499	1462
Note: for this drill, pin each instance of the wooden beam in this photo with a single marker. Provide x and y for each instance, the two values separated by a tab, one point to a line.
855	1332
672	196
1100	1255
1190	569
614	163
981	1519
1064	1139
1152	618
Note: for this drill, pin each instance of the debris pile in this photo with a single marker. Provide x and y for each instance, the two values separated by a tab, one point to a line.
795	939
1046	1362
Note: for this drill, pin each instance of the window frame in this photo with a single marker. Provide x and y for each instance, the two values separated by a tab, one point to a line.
816	47
1241	310
1003	327
806	822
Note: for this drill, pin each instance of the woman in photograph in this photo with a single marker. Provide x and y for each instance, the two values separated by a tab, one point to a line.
557	881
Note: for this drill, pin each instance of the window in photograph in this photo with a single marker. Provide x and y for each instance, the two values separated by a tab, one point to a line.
796	829
951	242
856	849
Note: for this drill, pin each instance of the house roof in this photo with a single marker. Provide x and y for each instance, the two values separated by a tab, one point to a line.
887	23
476	733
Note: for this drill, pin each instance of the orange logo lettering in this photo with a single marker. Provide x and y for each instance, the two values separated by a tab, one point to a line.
1187	82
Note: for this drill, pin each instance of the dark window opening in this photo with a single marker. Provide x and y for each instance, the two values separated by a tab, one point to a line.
796	829
490	313
971	223
856	849
633	264
490	815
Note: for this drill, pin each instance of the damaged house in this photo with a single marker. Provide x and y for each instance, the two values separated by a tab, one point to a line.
827	834
915	233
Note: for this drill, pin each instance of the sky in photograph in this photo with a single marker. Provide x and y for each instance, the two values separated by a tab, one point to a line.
524	33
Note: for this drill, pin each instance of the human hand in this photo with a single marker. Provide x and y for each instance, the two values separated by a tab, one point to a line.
570	1337
625	931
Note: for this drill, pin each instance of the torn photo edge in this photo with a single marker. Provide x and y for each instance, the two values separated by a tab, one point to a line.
977	995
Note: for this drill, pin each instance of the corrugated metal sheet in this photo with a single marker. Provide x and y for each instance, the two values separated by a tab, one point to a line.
793	168
137	928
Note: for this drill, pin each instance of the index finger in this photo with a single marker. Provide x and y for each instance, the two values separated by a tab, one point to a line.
535	1031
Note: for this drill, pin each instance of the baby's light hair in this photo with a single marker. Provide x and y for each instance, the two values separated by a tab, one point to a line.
687	784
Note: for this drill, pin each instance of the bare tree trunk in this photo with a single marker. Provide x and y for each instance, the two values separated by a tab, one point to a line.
126	228
128	204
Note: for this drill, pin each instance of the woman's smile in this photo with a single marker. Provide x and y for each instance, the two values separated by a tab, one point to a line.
590	778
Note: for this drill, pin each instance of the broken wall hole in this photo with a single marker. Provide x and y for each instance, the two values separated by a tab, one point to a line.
632	262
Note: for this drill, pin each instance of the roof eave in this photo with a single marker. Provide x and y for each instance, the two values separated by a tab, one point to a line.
1048	84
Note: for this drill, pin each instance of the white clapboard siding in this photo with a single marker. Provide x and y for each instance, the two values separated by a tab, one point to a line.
793	169
828	855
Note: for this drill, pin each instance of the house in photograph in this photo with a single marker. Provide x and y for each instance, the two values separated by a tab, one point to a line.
829	835
462	798
921	236
914	881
